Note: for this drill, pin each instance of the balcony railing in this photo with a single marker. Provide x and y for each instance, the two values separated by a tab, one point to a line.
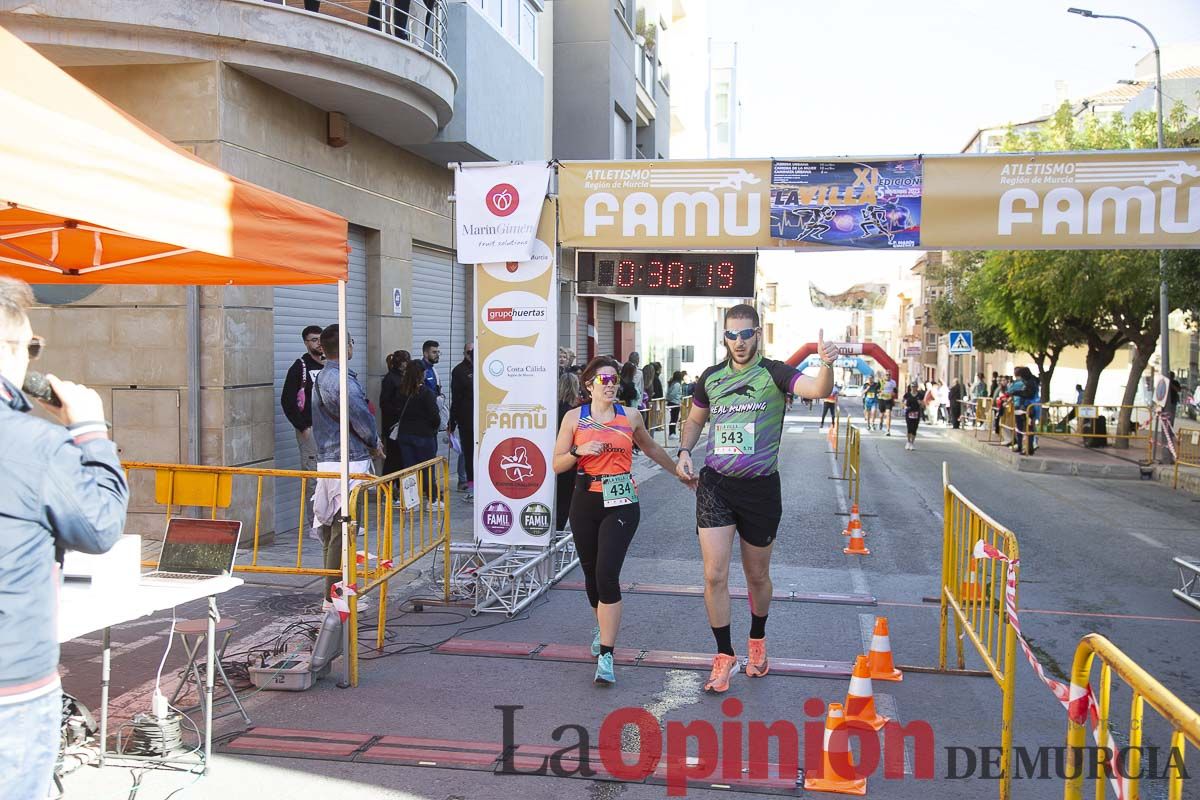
422	23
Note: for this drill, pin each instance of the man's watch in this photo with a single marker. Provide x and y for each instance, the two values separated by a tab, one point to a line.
574	450
683	450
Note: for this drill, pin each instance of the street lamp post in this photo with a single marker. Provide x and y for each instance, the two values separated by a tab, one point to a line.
1164	311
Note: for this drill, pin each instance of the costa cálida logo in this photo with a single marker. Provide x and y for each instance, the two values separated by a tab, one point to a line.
503	199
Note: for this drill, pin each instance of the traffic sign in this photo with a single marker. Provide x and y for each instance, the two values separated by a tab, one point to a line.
962	343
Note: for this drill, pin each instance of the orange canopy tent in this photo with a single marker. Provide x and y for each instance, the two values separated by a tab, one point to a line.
88	194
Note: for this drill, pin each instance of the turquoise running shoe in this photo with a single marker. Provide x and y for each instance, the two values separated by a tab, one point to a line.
596	642
604	670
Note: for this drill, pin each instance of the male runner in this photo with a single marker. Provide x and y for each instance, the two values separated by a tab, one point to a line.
738	489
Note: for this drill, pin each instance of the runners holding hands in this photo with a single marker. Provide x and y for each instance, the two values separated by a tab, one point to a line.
596	440
738	490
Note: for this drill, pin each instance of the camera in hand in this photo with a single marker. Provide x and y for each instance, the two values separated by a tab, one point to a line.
37	386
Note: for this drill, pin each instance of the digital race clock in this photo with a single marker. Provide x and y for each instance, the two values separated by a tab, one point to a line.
667	274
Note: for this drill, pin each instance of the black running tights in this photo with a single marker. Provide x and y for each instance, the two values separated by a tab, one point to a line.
602	537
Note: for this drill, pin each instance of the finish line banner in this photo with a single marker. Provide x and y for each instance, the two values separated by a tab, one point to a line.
497	210
516	391
1117	199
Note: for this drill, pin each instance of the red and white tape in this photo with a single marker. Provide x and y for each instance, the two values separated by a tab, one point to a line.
338	595
1169	431
1079	701
363	558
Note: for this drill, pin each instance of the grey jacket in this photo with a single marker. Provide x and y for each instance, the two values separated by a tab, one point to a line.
64	489
364	436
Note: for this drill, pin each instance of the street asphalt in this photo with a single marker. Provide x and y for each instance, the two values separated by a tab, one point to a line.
1095	557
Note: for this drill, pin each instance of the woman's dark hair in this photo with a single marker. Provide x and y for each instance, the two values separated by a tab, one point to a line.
594	366
398	358
568	389
628	372
411	381
676	378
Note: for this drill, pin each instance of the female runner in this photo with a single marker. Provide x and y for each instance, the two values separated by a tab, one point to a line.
596	440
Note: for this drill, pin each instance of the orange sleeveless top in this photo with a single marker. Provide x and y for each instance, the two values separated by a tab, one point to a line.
615	436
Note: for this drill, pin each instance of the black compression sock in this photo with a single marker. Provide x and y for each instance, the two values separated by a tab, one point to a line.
758	626
605	649
724	643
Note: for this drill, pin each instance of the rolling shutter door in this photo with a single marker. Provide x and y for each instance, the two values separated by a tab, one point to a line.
606	343
295	308
439	308
581	337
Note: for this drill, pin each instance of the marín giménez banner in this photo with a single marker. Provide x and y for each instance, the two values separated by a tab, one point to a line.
875	204
497	210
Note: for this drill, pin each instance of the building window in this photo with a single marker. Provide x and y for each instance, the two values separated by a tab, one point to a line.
620	135
495	10
931	342
528	32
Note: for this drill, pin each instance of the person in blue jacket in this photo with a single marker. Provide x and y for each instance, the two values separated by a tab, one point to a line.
64	489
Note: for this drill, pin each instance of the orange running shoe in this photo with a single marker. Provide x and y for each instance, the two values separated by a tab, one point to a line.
757	665
723	668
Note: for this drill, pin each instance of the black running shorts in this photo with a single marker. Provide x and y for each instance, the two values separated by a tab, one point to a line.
753	505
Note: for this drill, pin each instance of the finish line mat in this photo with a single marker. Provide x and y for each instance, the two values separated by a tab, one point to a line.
409	751
630	657
833	598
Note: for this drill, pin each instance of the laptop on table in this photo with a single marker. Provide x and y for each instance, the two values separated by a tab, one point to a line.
195	550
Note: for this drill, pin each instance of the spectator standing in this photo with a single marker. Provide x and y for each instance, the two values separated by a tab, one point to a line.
635	359
955	397
64	489
296	398
389	408
658	386
674	398
628	394
417	428
942	393
363	445
462	418
648	385
569	397
431	354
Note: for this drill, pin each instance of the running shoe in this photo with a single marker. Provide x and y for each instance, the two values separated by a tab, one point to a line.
756	664
596	641
723	668
604	671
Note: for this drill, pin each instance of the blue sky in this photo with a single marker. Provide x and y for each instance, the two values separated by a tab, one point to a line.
863	77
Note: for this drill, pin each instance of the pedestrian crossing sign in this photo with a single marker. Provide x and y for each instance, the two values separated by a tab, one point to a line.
961	343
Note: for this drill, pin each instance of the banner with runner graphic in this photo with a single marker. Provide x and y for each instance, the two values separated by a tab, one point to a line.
861	204
516	350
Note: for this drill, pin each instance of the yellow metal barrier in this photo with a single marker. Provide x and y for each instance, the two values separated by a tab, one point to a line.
1071	421
212	488
656	417
973	592
1187	448
409	498
1183	721
852	465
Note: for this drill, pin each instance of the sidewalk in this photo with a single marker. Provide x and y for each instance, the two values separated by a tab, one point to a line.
1055	457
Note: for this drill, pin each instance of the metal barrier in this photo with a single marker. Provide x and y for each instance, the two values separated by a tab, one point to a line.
851	466
1087	423
974	593
1183	721
1187	448
421	22
213	488
417	497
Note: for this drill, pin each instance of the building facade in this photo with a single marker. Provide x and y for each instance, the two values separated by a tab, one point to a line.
355	113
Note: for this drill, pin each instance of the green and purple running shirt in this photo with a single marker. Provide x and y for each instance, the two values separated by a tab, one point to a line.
745	415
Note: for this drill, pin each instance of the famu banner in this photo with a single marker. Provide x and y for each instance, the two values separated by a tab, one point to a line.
497	210
516	381
1063	201
698	205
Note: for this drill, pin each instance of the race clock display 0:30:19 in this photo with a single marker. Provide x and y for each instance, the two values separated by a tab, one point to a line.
668	274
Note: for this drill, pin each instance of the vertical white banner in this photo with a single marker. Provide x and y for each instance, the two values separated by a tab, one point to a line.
498	207
516	390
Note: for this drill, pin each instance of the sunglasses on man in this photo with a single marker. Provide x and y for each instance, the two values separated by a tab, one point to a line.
744	334
36	343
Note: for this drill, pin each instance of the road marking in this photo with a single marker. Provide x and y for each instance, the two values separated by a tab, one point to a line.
886	705
866	628
1150	540
796	429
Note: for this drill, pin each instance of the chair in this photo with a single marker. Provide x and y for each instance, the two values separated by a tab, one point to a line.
192	633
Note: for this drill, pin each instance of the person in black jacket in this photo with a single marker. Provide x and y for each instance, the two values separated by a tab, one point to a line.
462	417
417	423
389	407
569	396
627	392
296	398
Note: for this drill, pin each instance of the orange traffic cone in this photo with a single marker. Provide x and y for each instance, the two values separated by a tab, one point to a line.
855	521
860	699
971	588
880	657
830	780
857	546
